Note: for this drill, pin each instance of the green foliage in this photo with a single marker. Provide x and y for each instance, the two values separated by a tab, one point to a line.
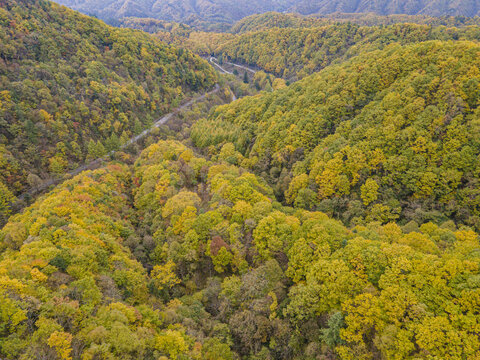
274	20
6	198
396	129
369	191
294	49
330	218
71	86
67	258
233	273
219	13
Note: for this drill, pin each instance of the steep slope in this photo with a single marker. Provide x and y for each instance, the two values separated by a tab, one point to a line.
389	134
73	87
228	11
292	46
63	261
270	20
228	273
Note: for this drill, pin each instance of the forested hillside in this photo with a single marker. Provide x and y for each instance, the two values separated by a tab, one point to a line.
292	20
275	20
389	135
293	46
296	52
219	13
203	14
332	214
73	88
227	273
384	7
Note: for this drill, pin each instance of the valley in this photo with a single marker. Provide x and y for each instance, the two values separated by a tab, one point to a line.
218	180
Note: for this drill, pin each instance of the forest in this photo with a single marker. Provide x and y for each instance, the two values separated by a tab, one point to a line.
274	19
73	89
388	135
293	46
180	257
321	204
294	53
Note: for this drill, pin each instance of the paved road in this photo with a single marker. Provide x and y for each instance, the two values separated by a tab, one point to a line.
242	67
97	162
214	62
167	117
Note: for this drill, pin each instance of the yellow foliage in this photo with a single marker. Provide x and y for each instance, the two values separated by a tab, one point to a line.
171	342
164	275
61	342
369	191
37	275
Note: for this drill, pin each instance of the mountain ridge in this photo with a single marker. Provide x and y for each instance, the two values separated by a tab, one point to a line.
227	12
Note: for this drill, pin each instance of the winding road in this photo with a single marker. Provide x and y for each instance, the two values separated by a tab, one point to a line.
242	67
214	61
217	65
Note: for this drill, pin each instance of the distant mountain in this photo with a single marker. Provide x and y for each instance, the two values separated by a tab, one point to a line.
186	11
229	11
387	7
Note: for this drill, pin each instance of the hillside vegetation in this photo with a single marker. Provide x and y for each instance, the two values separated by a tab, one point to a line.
385	7
293	46
73	88
297	52
294	20
227	273
388	135
332	214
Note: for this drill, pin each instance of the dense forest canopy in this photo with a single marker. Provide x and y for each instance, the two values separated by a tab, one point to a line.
270	20
333	213
73	88
295	52
385	7
227	273
293	46
387	135
207	13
